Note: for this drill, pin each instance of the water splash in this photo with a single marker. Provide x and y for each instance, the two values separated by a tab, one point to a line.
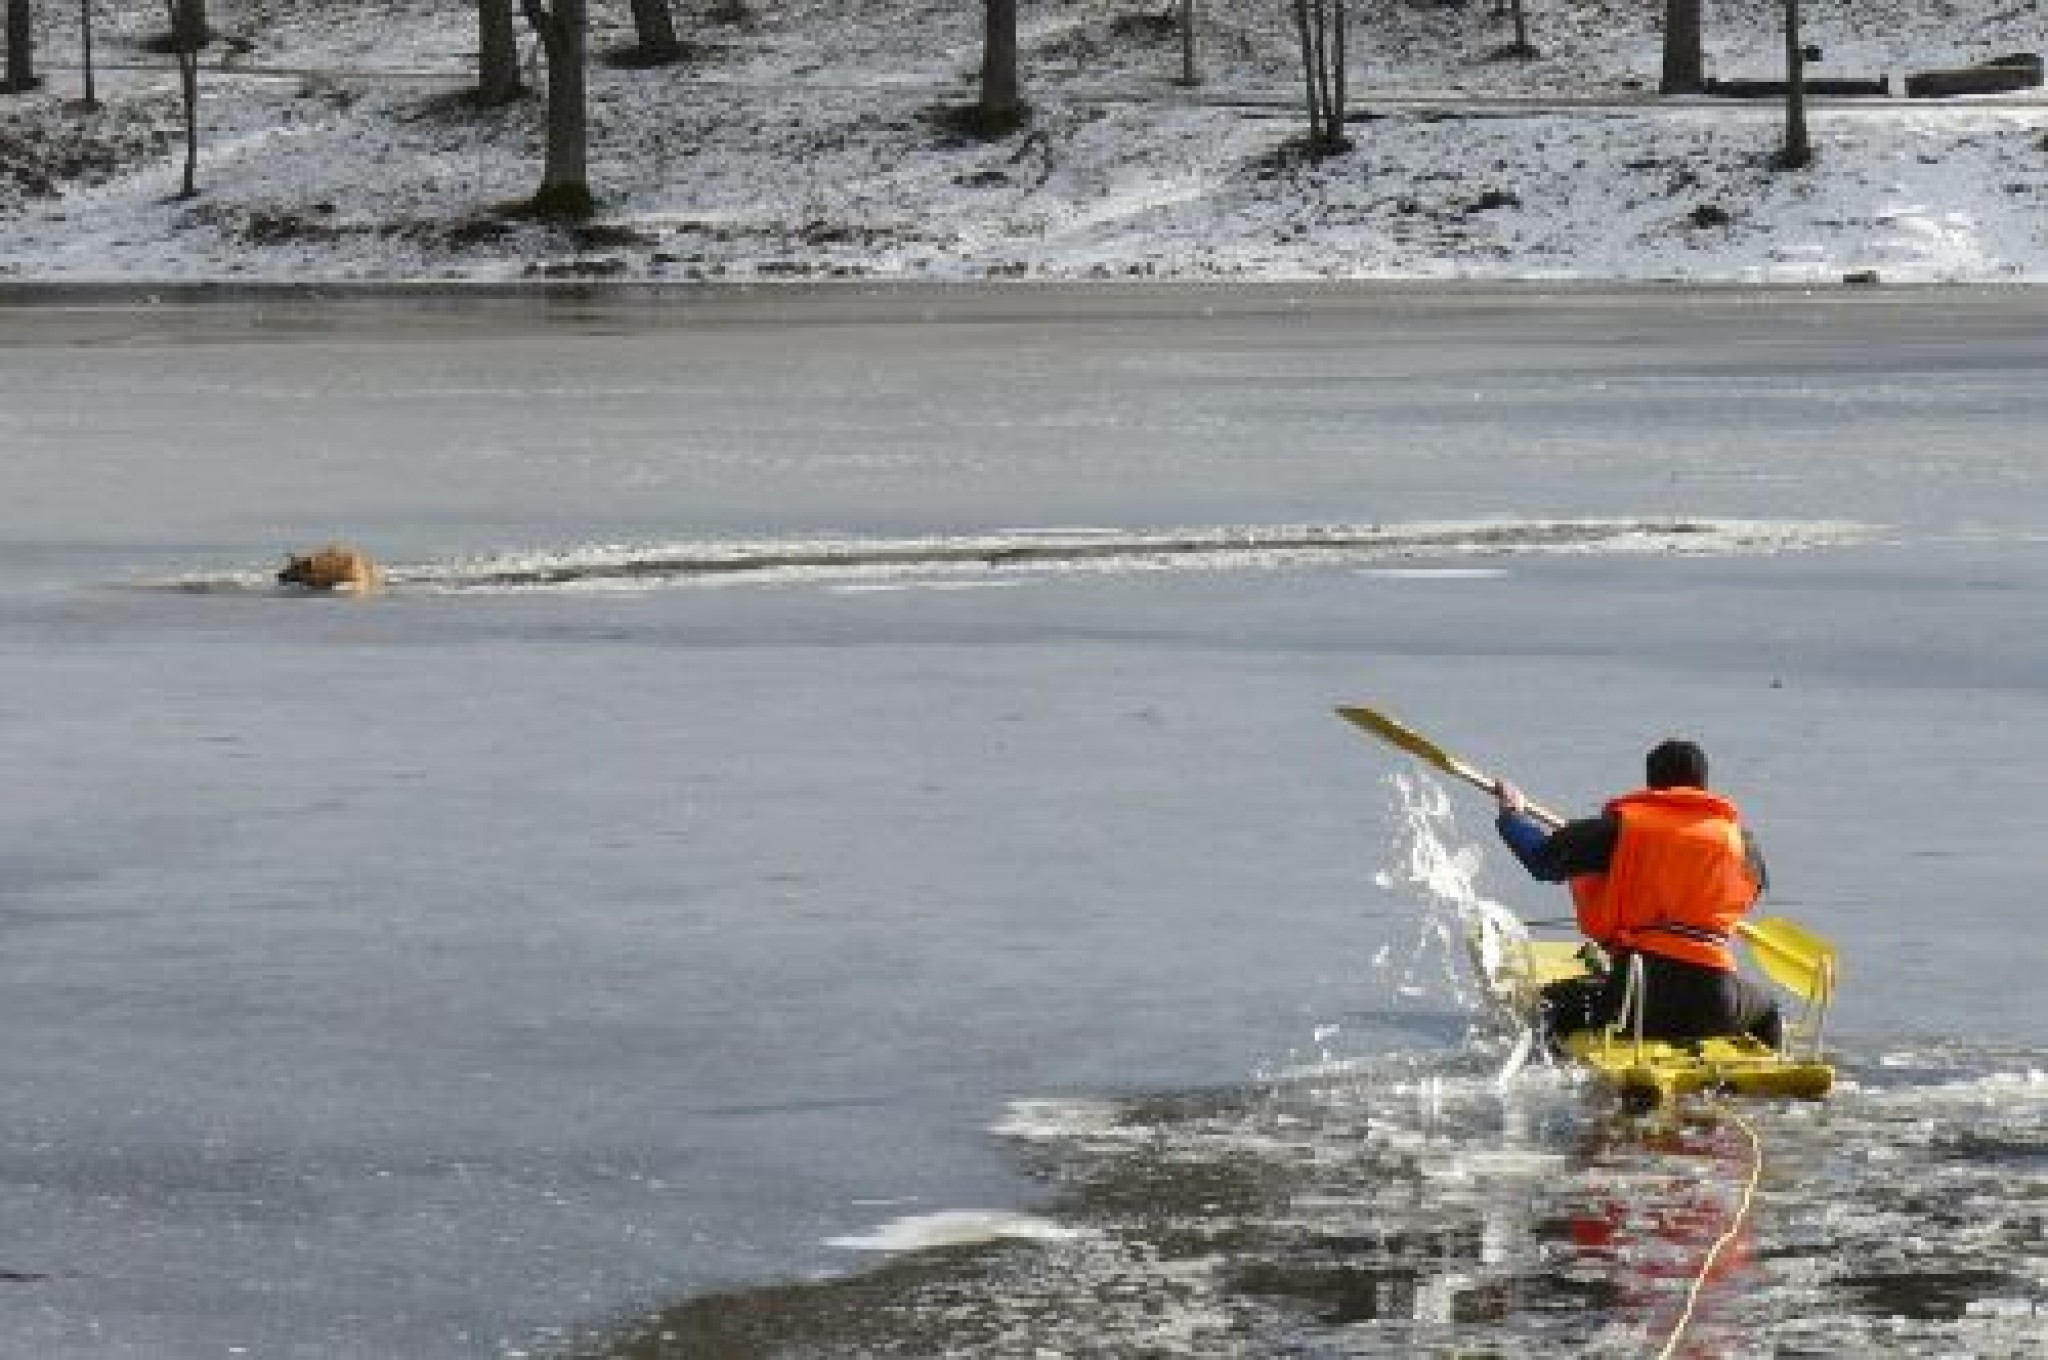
1465	941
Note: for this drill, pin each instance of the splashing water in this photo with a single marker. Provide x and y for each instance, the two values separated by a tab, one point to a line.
1470	941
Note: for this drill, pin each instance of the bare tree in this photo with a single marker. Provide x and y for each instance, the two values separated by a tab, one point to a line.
654	32
497	53
21	47
187	36
88	97
1321	26
189	17
564	29
1521	48
1797	152
1002	106
1685	70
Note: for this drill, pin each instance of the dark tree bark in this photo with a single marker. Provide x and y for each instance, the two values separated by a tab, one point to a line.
654	30
188	17
564	29
188	34
21	47
1002	106
1521	47
1321	25
88	96
497	53
1685	69
1797	152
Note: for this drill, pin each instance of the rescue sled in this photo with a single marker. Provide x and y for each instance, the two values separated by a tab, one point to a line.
1646	1072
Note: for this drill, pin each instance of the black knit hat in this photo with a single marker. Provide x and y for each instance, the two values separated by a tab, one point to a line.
1676	763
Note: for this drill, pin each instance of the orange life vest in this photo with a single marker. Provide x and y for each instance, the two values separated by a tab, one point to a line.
1679	880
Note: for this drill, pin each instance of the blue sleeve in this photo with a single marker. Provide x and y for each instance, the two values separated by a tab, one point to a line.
1525	836
1582	847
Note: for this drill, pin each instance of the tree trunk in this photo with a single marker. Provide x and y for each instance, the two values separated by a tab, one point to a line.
1320	11
654	29
188	34
188	86
1521	47
497	53
1685	69
1798	149
1308	66
564	29
1340	71
1321	26
1001	104
1190	70
88	96
21	46
188	21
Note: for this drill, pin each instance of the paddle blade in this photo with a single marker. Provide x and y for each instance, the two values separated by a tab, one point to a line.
1407	738
1401	735
1792	956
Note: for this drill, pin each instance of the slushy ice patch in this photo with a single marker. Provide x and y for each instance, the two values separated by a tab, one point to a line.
1016	553
1375	1197
1406	1204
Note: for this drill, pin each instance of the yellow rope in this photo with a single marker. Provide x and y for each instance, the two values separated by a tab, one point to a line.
1699	1284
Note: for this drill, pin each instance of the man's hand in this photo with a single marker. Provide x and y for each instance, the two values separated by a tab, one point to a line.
1511	799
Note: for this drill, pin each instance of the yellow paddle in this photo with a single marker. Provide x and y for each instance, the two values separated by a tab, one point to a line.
1790	955
1415	744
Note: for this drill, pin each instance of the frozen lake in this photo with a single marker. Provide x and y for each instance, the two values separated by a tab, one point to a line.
832	758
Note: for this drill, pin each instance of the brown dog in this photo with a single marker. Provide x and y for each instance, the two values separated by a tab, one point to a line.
334	567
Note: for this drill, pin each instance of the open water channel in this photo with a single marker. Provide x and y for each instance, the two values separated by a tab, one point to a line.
834	841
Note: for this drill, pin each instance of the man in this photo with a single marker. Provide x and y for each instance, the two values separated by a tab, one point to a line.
1662	874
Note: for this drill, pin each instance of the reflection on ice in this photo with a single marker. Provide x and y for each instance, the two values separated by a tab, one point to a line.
1407	1203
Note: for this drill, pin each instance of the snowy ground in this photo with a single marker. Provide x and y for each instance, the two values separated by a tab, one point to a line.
798	144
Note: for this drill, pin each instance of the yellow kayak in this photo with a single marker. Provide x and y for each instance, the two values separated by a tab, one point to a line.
1648	1072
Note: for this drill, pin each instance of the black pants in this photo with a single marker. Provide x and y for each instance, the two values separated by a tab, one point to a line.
1685	1001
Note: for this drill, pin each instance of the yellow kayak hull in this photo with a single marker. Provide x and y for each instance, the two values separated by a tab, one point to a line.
1652	1072
1658	1070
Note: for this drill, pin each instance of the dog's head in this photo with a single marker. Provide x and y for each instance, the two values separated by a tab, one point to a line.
334	567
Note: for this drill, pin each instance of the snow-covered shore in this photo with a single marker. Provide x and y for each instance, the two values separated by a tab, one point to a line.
797	144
